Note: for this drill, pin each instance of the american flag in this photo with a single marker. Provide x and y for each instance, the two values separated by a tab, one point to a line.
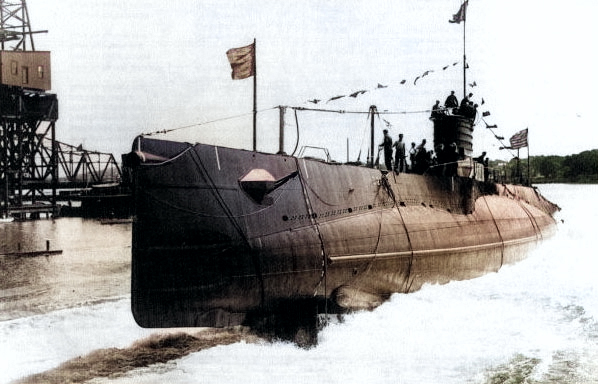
519	140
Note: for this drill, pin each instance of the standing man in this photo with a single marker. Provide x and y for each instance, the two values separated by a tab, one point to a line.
412	152
421	158
451	101
387	146
399	154
436	111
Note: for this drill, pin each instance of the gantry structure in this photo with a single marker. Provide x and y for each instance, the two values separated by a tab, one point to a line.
33	164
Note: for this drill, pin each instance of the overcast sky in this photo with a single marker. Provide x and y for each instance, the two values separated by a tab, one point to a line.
124	67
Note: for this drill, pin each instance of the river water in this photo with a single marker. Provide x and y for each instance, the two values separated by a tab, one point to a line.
533	322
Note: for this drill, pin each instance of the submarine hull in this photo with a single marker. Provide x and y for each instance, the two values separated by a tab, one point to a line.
221	234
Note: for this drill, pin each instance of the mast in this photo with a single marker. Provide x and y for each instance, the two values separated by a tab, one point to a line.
459	17
254	95
371	157
464	56
281	113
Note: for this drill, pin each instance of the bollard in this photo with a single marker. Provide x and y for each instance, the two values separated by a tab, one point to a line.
47	245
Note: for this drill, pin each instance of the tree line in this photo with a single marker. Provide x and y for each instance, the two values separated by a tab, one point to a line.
578	168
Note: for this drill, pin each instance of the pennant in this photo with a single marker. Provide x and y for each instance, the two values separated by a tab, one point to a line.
355	94
483	101
473	84
315	101
519	140
460	15
403	81
491	126
445	67
415	81
336	98
382	86
486	113
242	61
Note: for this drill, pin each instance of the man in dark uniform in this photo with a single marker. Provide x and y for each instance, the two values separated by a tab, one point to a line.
387	146
480	159
436	110
400	154
451	101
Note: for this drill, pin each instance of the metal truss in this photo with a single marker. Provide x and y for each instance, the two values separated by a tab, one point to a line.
79	167
15	26
28	170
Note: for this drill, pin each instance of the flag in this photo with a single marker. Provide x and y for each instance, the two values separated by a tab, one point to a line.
460	15
336	98
355	94
486	113
242	61
519	140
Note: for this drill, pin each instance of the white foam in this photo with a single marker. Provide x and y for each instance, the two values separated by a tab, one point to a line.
544	307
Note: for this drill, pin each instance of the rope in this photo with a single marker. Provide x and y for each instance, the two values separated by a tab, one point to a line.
297	141
360	112
197	160
392	195
532	219
527	212
324	273
502	242
164	131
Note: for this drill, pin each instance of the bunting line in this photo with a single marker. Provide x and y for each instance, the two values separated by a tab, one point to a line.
379	86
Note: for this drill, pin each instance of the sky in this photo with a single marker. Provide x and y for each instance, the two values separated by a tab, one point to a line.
125	67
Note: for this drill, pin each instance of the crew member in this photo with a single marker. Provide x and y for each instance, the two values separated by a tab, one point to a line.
451	101
480	159
412	152
421	158
436	110
399	154
387	146
452	159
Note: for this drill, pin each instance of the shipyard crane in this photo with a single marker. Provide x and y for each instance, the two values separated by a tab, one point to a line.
33	164
15	26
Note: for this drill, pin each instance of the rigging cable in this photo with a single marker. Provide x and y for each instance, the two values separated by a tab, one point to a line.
164	131
296	125
220	199
502	241
342	111
532	218
410	266
312	216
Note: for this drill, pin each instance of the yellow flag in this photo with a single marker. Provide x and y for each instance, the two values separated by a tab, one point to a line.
242	61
